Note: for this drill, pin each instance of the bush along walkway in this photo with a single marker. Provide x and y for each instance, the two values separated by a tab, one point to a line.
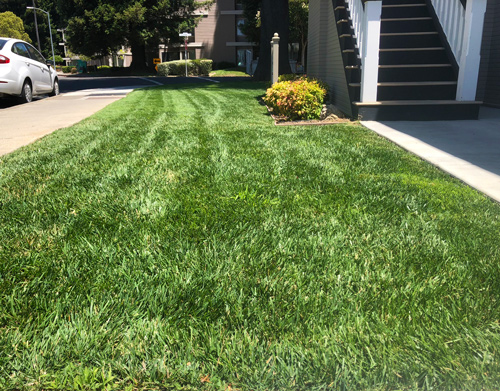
177	239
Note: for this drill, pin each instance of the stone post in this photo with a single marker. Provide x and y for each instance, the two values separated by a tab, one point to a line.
275	49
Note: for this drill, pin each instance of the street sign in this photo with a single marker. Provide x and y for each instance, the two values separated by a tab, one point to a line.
156	61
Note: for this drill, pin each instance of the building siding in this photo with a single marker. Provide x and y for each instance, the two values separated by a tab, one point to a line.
489	73
324	54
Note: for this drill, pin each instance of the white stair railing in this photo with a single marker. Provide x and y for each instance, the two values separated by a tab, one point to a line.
463	28
451	15
365	18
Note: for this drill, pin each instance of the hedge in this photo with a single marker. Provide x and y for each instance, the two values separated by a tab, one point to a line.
201	67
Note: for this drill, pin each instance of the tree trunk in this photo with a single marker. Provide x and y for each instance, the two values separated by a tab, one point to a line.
138	56
274	19
304	48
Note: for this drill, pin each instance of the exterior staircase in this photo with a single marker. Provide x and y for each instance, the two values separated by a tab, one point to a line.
417	74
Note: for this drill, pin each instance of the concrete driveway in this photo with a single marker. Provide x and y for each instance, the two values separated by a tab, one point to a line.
468	150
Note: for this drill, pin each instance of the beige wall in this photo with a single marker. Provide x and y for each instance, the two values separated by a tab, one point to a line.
215	36
324	55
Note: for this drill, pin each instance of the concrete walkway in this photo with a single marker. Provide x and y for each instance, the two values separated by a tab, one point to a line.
24	124
468	150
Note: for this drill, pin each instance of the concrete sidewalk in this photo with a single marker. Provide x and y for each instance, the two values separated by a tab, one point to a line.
468	150
23	124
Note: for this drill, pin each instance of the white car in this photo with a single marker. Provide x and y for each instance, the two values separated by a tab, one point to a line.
24	72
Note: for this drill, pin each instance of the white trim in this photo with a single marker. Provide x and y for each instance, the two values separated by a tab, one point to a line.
471	50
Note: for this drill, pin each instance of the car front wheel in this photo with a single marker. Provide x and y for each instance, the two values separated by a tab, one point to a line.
55	90
26	92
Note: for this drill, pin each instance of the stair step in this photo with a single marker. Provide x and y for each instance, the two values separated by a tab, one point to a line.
417	91
415	66
416	83
407	25
416	72
404	11
344	27
422	110
410	40
399	2
400	56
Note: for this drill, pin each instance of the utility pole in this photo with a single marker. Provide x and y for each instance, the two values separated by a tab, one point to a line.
36	28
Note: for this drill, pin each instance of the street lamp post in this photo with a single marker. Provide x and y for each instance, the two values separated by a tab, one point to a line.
186	36
50	31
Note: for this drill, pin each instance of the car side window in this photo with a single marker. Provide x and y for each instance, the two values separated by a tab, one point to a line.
35	55
20	49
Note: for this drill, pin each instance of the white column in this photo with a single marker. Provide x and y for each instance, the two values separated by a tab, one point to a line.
369	57
275	54
471	50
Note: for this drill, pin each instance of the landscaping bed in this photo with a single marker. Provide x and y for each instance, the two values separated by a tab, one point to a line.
179	240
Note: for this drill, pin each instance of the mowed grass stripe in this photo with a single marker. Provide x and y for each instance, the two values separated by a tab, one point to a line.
177	236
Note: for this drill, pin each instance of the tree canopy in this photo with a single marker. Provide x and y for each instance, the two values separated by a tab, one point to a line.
100	27
11	26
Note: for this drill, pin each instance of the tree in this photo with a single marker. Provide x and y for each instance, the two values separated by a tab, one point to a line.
299	15
274	18
11	26
100	27
27	16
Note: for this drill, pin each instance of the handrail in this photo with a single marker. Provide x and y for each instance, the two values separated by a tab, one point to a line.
356	12
451	15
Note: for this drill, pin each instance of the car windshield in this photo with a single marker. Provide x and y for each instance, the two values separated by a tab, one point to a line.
2	43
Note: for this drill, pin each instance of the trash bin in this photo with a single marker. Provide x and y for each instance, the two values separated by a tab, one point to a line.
81	66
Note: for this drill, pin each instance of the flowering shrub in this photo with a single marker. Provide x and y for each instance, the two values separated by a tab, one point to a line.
296	99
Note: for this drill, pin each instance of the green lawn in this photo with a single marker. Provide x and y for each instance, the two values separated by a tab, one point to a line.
178	239
239	71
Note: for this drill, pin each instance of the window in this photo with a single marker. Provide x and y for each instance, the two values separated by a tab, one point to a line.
239	23
20	49
242	55
35	55
2	43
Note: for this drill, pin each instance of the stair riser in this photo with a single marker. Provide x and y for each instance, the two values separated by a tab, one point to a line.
407	26
404	12
353	75
447	92
397	2
344	28
350	58
433	112
410	41
341	14
338	3
346	43
416	74
413	57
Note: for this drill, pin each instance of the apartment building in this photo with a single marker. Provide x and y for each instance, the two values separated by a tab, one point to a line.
217	36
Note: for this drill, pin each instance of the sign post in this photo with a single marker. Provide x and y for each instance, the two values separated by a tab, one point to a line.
186	36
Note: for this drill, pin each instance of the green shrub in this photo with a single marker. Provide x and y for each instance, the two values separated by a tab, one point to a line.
66	69
297	99
103	67
201	67
74	70
59	60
